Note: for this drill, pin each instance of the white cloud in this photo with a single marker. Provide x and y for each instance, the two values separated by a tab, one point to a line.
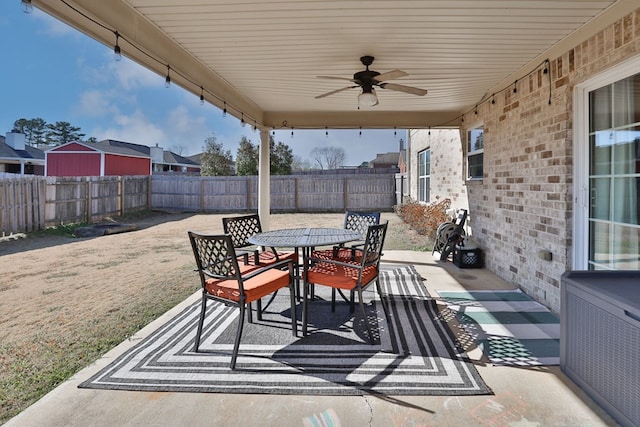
130	76
96	103
135	128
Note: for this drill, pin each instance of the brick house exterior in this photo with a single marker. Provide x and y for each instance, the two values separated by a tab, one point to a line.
525	205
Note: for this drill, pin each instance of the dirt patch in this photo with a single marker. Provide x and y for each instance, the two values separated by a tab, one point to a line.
62	297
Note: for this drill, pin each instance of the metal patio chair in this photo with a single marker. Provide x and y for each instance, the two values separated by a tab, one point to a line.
347	275
225	280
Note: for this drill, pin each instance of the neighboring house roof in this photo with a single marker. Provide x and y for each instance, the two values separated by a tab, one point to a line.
173	158
30	153
196	158
385	159
144	149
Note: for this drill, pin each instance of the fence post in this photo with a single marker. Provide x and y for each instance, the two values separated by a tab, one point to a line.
345	193
149	193
88	206
202	188
121	182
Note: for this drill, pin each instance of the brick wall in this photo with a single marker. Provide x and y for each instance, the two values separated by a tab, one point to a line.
447	168
524	203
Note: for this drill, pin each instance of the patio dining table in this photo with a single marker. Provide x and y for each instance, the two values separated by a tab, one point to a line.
306	239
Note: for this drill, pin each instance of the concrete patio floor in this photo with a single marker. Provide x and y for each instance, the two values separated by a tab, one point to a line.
530	396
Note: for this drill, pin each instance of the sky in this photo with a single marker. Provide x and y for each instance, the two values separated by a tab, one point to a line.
54	72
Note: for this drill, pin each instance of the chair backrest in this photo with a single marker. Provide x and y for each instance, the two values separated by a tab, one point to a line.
459	221
374	241
240	228
360	221
215	257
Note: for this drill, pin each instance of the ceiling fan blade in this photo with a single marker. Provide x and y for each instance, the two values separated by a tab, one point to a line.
390	75
405	89
334	78
335	91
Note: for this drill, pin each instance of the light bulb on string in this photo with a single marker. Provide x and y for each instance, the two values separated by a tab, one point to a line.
242	122
167	80
27	6
515	87
201	95
326	131
292	132
117	53
224	110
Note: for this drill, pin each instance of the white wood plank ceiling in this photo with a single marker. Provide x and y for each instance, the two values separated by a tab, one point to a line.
262	57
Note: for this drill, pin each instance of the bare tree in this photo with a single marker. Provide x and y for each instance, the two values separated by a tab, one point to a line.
328	157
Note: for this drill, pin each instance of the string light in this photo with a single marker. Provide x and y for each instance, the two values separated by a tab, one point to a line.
476	112
117	53
547	66
326	131
201	95
360	131
167	80
255	126
394	131
242	122
292	132
493	98
27	6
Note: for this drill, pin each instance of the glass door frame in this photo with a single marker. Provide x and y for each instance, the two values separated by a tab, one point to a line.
581	197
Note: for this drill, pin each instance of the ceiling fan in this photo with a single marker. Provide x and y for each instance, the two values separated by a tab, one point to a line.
367	79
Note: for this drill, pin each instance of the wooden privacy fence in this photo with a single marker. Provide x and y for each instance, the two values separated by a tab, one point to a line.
290	193
29	203
22	206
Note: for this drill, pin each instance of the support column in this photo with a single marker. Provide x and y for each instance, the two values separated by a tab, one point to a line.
264	181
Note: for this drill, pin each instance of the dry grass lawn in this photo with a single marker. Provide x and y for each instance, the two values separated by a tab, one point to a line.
65	301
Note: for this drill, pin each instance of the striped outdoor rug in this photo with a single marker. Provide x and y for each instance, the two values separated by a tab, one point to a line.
415	353
510	327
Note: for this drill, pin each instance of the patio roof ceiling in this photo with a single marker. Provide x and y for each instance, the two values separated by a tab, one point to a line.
261	58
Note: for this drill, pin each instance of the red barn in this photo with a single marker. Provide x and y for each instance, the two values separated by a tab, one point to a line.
95	159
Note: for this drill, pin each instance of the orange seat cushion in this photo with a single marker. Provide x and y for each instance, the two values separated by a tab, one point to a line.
339	276
255	288
268	257
341	254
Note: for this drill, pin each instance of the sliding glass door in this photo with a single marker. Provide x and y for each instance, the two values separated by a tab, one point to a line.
613	179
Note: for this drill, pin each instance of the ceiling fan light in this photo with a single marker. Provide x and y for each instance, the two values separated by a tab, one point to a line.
367	98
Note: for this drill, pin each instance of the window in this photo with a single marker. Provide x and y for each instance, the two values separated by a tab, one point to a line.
614	176
475	152
424	172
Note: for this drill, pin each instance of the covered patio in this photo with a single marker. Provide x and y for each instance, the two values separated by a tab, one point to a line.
261	62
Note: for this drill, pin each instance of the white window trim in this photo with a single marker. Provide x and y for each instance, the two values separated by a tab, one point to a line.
472	153
580	250
425	176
